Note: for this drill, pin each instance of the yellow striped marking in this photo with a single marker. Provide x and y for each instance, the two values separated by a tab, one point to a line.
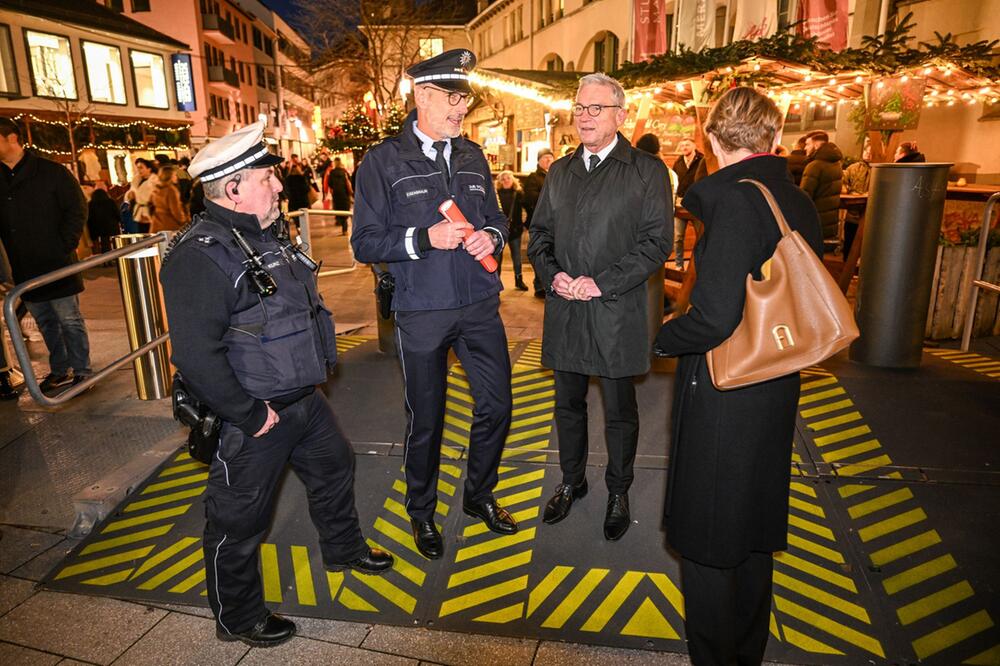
670	591
303	576
542	591
270	573
517	380
879	503
828	626
815	570
472	599
821	395
174	483
521	399
455	437
979	365
145	518
613	601
529	434
164	499
826	440
541	418
523	496
352	601
109	579
492	545
956	632
577	596
334	579
164	555
808	386
649	622
488	569
808	643
106	561
106	544
802	488
816	594
171	571
504	615
532	388
458	381
890	525
518	516
530	409
850	451
525	448
815	549
194	579
806	507
811	527
401	565
866	466
918	574
990	657
906	547
826	409
461	424
853	489
404	539
183	455
849	417
388	590
932	603
461	409
520	479
178	469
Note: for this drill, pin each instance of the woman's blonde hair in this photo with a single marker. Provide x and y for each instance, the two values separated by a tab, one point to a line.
744	118
517	183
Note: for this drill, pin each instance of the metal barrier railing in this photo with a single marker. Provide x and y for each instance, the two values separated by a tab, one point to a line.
977	283
301	217
21	349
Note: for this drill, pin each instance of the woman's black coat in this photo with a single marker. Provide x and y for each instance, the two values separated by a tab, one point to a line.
297	191
511	203
103	216
730	458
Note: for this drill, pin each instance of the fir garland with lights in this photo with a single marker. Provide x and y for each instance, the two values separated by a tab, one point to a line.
51	137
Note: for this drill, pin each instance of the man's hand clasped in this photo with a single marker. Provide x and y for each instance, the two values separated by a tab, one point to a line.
270	422
446	235
582	288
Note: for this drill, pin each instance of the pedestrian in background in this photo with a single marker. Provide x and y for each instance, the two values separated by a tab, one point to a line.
296	188
104	220
857	177
601	228
686	168
42	215
533	183
822	178
908	153
143	184
511	203
726	510
798	159
339	185
165	203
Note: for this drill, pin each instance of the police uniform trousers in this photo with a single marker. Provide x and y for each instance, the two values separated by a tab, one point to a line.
621	428
727	611
477	335
239	503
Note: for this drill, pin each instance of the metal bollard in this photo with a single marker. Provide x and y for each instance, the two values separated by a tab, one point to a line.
904	214
145	316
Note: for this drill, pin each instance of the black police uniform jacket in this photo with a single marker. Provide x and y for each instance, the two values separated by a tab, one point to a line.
614	224
235	348
397	193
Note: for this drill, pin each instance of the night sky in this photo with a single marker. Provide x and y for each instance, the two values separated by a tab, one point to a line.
286	8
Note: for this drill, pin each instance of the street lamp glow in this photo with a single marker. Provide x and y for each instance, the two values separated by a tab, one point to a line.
404	87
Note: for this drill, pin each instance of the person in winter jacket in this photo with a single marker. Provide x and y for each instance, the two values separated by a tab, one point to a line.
511	203
165	203
908	153
104	220
822	178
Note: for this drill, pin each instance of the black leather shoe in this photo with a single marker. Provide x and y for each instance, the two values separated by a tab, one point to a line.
494	515
272	630
617	519
428	539
519	285
558	507
375	562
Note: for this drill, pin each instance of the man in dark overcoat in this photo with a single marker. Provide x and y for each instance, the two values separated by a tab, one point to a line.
602	226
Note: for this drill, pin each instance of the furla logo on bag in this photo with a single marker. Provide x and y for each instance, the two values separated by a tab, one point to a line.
782	337
477	188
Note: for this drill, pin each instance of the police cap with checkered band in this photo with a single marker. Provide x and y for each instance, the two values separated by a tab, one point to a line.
449	70
242	149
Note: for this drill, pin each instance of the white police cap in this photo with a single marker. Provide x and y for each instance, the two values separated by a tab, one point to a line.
242	149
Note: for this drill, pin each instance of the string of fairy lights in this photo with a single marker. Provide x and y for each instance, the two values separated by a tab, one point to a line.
85	120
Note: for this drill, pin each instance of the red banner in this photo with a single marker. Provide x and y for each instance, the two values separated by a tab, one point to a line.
650	37
825	19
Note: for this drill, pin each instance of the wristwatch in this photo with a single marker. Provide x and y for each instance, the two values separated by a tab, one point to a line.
497	238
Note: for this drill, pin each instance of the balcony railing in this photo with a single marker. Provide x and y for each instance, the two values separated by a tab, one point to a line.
218	29
219	74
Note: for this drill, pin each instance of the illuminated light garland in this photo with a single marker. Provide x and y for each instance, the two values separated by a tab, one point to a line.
519	90
102	123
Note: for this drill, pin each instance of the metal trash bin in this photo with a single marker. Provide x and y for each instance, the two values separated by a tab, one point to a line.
145	315
905	208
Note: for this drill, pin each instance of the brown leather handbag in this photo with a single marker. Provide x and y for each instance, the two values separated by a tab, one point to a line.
794	318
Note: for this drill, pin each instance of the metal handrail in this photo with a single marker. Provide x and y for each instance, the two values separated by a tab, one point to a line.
977	283
21	349
304	230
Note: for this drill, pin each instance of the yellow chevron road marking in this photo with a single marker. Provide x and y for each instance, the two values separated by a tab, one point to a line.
171	571
815	548
841	631
932	603
538	395
402	566
950	635
145	518
454	437
303	576
670	591
826	409
504	615
811	527
178	469
457	422
836	455
806	507
878	503
488	569
613	601
816	594
388	590
107	544
650	623
519	516
826	440
102	562
109	579
458	381
808	386
270	574
174	483
918	574
351	600
547	406
164	555
821	395
519	480
574	599
816	571
808	643
866	466
492	545
833	421
461	409
542	591
478	597
514	499
404	539
334	579
854	489
164	499
890	525
903	548
534	420
990	657
194	579
802	488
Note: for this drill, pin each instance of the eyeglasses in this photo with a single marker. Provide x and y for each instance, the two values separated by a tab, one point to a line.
593	109
455	97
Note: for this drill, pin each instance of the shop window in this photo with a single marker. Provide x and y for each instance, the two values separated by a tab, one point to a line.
431	47
8	70
103	64
150	79
140	5
269	46
272	83
554	63
606	53
519	23
115	5
261	83
258	40
51	65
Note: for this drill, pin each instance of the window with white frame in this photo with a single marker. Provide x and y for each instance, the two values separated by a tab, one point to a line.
431	47
150	79
105	81
51	65
8	70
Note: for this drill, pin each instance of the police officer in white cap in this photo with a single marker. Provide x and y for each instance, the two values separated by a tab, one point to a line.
444	299
252	339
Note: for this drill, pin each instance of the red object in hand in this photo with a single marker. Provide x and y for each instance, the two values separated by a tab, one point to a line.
453	213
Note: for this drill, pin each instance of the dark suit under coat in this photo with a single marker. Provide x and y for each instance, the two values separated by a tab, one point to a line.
727	488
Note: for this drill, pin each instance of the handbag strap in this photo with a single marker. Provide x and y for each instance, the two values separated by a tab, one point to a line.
775	210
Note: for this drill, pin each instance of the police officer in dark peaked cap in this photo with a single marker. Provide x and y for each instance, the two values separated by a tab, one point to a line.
444	299
252	339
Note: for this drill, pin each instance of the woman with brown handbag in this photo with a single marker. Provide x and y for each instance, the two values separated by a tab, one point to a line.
727	491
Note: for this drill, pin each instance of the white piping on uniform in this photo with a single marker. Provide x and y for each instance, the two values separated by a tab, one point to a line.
419	175
472	173
224	465
215	564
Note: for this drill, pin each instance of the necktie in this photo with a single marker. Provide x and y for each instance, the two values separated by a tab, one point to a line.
594	161
439	159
